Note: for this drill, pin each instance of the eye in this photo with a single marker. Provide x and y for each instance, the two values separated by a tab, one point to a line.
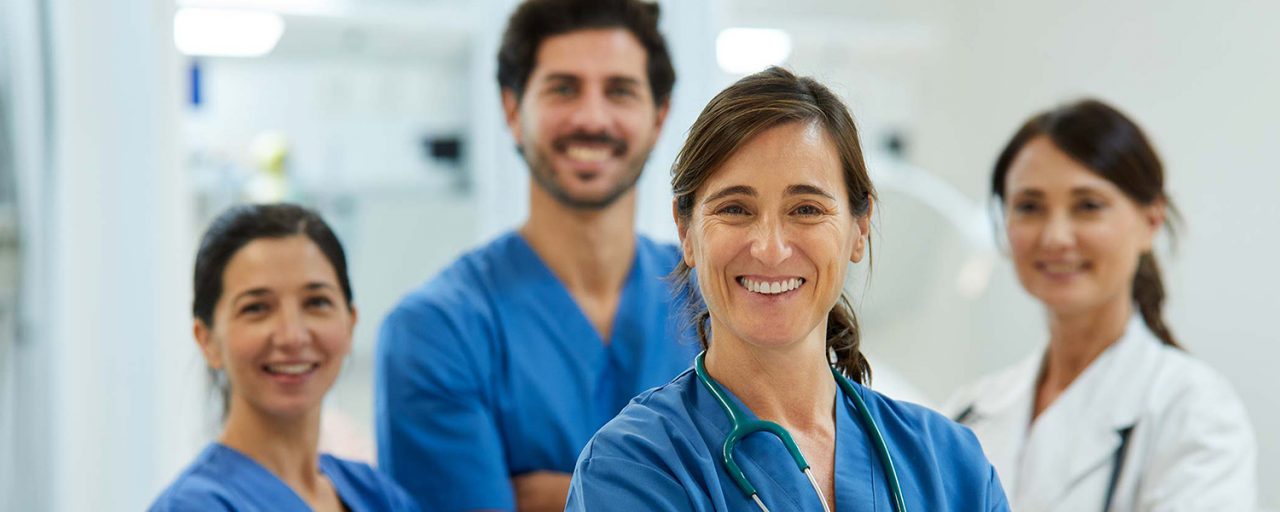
731	209
319	301
1090	205
1026	207
254	308
620	92
808	210
562	89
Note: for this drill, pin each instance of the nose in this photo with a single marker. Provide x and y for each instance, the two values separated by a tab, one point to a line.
591	114
769	244
291	331
1058	233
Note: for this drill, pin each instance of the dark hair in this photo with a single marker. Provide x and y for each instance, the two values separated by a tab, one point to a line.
750	106
536	20
1106	142
237	227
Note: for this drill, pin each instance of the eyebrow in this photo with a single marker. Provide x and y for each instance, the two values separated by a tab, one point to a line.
793	190
261	292
801	190
318	285
1076	191
623	80
254	292
731	191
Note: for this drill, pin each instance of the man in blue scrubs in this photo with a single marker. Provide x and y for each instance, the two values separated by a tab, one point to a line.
493	375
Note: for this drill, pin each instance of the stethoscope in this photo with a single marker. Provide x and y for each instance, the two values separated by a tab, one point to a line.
743	427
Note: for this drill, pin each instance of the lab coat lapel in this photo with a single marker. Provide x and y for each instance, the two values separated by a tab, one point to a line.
1081	432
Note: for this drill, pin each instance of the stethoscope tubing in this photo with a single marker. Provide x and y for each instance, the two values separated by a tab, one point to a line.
742	427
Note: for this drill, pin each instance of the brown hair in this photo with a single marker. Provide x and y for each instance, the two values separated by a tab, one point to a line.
1106	142
750	106
534	21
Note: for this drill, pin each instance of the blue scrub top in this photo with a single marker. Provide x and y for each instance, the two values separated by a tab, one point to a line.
490	370
663	452
224	479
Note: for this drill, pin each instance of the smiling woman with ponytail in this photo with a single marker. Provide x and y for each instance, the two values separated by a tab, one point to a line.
1112	413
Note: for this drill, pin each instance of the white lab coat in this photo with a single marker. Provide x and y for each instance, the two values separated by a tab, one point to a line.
1189	443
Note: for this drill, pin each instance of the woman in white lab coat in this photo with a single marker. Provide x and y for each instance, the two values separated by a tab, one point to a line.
1111	414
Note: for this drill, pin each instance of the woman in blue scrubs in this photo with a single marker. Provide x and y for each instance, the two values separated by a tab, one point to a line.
772	202
273	314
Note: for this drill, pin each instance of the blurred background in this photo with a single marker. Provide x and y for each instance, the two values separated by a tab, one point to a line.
125	125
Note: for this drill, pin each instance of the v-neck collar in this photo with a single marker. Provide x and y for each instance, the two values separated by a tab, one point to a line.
546	275
854	460
280	493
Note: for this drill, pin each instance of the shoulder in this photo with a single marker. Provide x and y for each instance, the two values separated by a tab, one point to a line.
994	390
198	487
663	256
455	301
928	424
460	286
923	436
649	428
366	479
1191	396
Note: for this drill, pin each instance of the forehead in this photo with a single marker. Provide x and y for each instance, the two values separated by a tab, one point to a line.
781	156
605	52
1041	165
287	262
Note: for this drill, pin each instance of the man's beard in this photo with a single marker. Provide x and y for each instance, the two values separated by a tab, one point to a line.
544	174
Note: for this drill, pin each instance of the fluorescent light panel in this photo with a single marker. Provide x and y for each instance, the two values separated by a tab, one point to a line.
226	32
747	50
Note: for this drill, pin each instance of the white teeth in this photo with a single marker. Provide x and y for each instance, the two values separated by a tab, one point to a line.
290	369
771	288
587	154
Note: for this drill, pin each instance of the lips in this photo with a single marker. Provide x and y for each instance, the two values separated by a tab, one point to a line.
294	368
1062	268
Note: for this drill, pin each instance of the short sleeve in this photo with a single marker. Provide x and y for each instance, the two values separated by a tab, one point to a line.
437	436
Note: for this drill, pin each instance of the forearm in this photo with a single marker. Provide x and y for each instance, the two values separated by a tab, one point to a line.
541	491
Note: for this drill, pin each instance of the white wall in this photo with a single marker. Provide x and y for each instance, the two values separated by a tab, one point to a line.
119	402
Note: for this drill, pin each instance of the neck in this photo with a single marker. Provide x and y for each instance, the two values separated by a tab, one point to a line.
590	251
791	385
1076	339
287	447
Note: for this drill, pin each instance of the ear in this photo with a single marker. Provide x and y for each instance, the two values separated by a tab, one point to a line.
686	246
863	223
511	111
661	118
208	346
1153	216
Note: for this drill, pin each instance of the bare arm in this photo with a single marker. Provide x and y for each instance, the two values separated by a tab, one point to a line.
541	491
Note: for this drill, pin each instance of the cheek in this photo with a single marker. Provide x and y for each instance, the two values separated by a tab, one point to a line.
334	337
1022	240
1114	248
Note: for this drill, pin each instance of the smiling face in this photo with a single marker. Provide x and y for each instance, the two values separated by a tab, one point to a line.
771	236
1075	236
280	329
587	120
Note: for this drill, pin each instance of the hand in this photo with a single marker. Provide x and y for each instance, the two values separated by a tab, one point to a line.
541	491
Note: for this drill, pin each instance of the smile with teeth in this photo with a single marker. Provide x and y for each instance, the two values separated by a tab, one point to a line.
771	287
588	153
290	369
1062	267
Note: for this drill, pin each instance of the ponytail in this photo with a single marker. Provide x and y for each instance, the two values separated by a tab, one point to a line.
1148	294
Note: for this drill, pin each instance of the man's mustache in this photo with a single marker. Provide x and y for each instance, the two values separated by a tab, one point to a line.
619	145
